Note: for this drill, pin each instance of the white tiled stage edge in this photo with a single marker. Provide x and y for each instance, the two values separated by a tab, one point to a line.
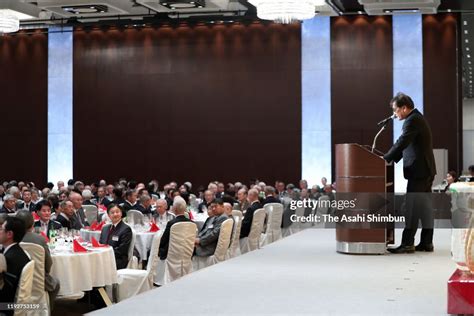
303	275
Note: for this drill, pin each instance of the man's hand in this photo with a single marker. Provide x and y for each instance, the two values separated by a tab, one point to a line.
196	241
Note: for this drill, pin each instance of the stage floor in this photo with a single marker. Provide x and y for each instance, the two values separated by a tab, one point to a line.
304	275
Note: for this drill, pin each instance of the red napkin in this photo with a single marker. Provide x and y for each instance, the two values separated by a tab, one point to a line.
96	244
93	225
35	216
102	207
99	227
153	228
45	237
77	247
191	217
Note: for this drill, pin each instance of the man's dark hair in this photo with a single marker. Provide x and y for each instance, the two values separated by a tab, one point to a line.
40	204
50	185
217	201
17	226
132	184
71	182
118	192
112	205
402	99
471	168
129	193
27	218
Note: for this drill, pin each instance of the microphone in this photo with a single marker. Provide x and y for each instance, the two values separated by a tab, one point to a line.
385	121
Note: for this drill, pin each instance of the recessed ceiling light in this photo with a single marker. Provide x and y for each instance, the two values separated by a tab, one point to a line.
449	10
466	32
465	22
360	12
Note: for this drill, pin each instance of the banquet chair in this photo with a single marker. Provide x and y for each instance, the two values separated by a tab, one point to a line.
92	213
135	217
25	286
132	260
252	242
234	248
132	281
273	232
38	293
323	208
219	255
179	260
296	226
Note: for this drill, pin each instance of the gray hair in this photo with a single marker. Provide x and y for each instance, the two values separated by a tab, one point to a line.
8	197
87	194
179	204
144	198
13	190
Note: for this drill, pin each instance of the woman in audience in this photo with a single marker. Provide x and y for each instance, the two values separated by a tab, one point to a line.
118	235
451	178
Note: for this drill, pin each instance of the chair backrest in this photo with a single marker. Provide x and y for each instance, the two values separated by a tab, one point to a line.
130	249
92	213
181	244
23	293
275	216
224	239
234	243
153	258
37	254
256	228
135	217
323	207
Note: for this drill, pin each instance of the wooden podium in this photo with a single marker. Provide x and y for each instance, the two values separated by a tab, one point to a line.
359	170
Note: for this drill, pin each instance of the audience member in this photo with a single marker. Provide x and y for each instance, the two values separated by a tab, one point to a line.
9	204
162	215
207	239
248	217
45	223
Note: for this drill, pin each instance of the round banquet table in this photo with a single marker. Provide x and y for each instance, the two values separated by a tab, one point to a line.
142	242
81	271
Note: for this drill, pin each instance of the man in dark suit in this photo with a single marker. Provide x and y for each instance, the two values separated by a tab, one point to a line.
9	204
67	218
11	233
206	242
179	208
79	213
208	198
415	145
248	217
130	201
144	204
101	198
45	223
27	204
118	235
51	284
270	195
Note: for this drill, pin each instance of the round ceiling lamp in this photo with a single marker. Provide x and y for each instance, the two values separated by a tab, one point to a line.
8	23
286	11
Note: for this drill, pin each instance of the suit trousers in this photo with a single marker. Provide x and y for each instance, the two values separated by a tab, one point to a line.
418	207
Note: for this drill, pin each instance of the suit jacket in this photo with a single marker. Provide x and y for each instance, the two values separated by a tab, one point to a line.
248	217
120	240
415	145
142	209
104	201
244	206
51	225
4	210
81	217
165	239
50	283
209	236
127	207
201	206
22	206
271	199
69	223
16	260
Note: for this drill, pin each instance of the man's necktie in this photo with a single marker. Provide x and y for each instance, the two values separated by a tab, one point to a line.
111	231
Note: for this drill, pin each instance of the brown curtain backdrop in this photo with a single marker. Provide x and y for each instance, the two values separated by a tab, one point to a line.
24	106
442	88
194	103
361	79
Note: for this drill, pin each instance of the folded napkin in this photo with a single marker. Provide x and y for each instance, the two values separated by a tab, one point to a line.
102	207
35	216
153	228
191	217
77	247
93	225
97	226
45	237
96	244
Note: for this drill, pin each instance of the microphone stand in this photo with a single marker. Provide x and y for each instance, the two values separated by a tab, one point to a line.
378	134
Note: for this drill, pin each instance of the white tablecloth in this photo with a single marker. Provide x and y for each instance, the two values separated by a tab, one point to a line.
199	219
78	272
142	242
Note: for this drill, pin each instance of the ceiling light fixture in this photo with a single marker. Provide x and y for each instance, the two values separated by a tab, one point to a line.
286	11
9	23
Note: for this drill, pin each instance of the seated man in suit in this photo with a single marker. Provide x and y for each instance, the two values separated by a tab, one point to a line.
67	216
45	223
179	208
270	195
242	199
162	215
206	242
144	204
9	204
101	197
51	284
130	201
248	217
208	198
27	204
118	235
87	196
11	233
79	213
